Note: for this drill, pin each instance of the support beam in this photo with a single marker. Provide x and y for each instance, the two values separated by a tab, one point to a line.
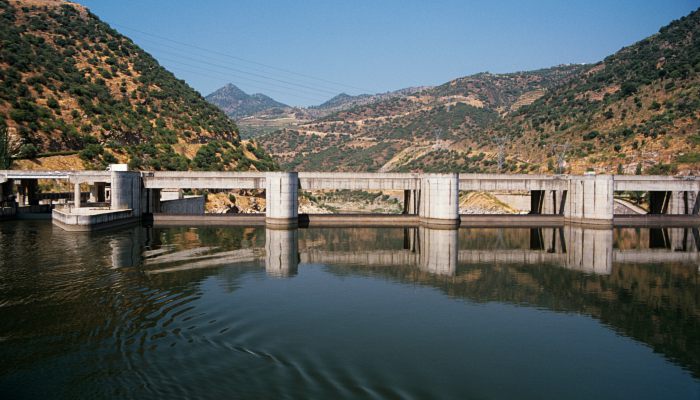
439	200
282	199
76	195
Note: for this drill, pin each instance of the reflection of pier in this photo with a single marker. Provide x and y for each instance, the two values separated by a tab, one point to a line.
437	251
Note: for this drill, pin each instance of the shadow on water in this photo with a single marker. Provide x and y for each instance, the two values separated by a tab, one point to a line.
127	287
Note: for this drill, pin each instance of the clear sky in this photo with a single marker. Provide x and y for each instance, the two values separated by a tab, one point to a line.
304	52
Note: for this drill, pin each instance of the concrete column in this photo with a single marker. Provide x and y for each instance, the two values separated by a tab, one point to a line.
281	252
21	194
589	200
589	250
32	191
282	199
76	195
93	194
439	200
126	191
438	250
410	202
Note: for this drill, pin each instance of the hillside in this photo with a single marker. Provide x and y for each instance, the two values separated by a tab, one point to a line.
377	135
71	86
237	103
634	112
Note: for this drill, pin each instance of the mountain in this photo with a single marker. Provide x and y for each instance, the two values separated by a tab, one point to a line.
72	88
237	103
395	127
637	111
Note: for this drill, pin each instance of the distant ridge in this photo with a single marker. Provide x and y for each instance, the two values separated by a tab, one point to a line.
237	103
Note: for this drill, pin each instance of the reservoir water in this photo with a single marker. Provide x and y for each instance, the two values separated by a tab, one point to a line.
231	312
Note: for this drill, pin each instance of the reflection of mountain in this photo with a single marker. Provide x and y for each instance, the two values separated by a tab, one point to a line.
645	288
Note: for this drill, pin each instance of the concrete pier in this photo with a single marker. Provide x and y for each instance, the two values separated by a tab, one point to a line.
76	195
439	200
126	191
590	200
282	199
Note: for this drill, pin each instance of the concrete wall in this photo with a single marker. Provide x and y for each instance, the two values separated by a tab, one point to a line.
189	205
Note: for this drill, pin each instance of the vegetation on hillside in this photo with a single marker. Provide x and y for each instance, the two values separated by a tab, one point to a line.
69	82
639	105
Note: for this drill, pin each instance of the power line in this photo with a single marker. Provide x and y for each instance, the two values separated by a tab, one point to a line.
329	89
328	92
241	59
218	78
227	75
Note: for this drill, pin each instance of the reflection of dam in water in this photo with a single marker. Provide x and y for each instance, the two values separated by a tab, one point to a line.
435	251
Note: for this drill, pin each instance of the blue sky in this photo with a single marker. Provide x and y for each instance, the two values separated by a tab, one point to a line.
304	52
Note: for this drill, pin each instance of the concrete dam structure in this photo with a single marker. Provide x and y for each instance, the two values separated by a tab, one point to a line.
119	196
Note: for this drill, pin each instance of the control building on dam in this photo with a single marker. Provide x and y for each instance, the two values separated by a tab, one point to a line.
101	199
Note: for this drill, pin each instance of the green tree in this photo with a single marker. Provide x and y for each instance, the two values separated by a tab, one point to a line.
5	156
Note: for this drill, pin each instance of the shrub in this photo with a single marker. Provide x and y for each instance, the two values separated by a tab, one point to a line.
27	150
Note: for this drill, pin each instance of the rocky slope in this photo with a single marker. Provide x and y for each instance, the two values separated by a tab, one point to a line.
72	86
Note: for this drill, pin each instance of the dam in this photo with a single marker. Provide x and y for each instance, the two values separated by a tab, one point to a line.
118	196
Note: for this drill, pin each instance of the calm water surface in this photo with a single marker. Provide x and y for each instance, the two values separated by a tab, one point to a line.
349	313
